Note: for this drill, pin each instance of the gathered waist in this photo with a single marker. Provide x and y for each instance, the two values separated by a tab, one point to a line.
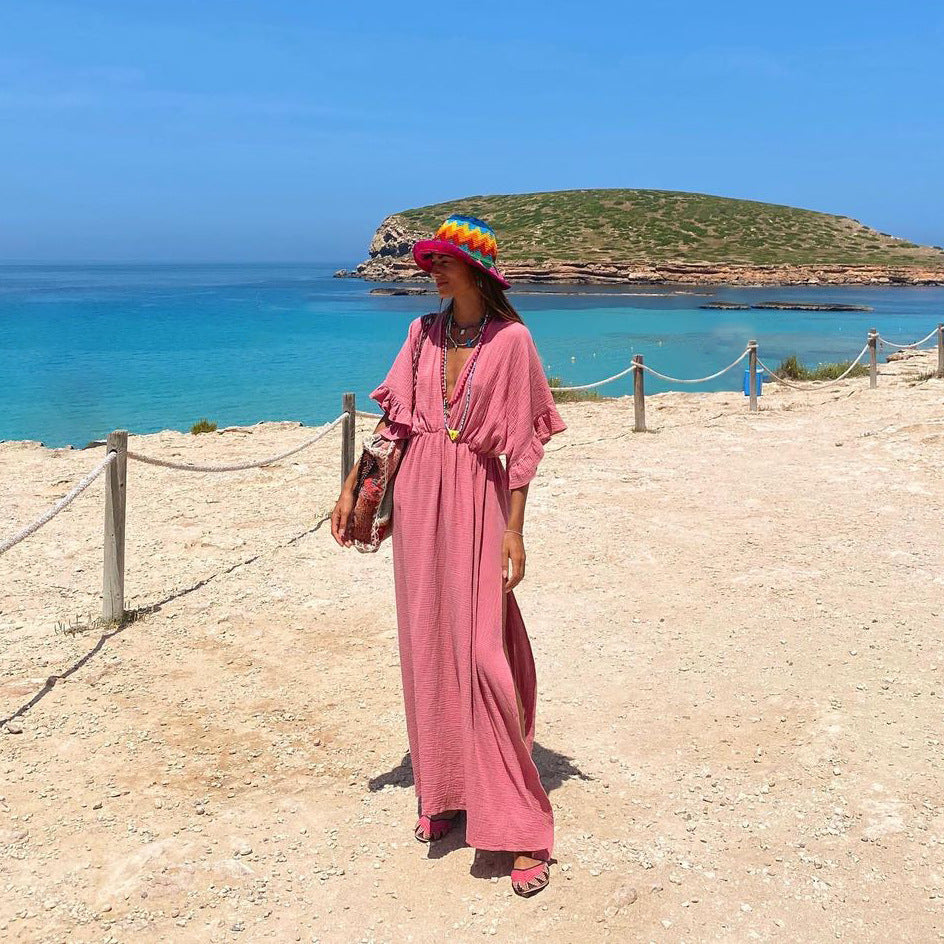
461	443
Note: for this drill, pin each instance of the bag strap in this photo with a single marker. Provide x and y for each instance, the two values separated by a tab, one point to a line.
426	322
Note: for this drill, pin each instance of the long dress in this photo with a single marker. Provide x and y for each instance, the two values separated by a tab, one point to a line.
451	503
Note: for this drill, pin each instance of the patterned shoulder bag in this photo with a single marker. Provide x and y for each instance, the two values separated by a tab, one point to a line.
372	516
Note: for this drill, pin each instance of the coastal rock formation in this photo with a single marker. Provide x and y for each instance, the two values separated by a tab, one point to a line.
391	261
394	240
402	291
784	306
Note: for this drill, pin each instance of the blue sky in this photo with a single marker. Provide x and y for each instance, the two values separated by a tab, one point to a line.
220	131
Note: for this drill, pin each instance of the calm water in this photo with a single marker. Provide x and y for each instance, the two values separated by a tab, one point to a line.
88	349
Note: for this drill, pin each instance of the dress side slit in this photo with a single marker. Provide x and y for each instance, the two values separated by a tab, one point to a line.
508	660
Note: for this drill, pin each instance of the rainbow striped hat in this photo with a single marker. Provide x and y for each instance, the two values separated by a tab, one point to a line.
466	238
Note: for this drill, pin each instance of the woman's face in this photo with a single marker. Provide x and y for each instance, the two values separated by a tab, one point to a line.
453	276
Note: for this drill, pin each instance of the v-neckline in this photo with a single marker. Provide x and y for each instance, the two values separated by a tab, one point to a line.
451	401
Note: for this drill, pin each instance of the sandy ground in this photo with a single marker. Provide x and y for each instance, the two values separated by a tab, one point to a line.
737	621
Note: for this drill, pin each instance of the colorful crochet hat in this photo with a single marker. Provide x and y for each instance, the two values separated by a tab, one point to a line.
466	238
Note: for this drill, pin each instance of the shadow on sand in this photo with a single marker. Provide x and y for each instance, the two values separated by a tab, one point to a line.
553	767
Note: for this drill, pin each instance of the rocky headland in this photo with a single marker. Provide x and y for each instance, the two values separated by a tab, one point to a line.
390	260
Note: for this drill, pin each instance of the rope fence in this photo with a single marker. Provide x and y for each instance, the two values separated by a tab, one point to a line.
117	454
599	383
913	344
820	384
697	380
238	467
60	505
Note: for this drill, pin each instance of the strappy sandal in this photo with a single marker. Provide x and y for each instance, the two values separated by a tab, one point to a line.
429	829
529	881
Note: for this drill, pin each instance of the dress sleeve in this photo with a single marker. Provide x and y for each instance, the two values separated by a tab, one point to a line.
395	392
532	417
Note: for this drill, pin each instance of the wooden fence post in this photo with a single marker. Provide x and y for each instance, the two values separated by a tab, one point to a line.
873	358
113	576
348	431
752	374
639	395
940	350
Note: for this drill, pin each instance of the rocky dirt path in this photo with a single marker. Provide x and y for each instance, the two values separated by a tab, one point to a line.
737	622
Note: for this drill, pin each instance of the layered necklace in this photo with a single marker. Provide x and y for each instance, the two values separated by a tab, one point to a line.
474	341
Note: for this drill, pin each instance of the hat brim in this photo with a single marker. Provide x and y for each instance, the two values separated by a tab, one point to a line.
424	247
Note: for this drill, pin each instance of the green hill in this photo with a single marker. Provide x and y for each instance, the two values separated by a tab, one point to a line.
671	226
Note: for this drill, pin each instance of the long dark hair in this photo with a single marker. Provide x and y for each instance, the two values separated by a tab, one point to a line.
493	298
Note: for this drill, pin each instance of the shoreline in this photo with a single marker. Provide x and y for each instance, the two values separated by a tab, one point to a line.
695	275
903	366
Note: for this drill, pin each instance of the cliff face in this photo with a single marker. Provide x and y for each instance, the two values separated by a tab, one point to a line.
393	240
391	260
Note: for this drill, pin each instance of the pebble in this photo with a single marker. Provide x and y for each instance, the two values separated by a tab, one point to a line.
624	896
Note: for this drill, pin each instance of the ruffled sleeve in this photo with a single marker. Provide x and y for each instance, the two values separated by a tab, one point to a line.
395	392
532	416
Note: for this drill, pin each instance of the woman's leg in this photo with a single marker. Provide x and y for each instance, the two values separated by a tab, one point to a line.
522	860
505	645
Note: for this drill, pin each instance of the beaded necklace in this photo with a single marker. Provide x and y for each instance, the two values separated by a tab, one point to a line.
454	434
480	327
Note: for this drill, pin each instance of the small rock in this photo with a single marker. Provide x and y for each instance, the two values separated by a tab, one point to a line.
13	727
623	897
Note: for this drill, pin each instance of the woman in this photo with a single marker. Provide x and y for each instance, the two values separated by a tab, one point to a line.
468	673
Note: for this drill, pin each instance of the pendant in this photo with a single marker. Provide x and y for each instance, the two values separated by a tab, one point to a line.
453	433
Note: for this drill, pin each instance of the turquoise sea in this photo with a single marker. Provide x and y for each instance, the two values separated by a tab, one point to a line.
88	349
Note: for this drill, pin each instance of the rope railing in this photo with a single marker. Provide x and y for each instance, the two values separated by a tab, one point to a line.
648	369
598	383
117	453
819	384
913	344
237	467
60	505
697	380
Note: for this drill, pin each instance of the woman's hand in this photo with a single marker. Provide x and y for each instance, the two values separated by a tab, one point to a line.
512	550
340	517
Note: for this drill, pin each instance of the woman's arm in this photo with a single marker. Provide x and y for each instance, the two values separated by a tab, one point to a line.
512	543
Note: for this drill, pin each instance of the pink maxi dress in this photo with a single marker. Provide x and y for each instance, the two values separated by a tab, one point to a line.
450	508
